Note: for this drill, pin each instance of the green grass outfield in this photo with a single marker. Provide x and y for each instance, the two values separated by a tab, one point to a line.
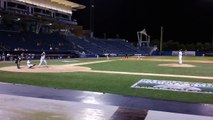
116	83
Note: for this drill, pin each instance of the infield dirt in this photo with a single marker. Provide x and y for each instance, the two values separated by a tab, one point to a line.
77	68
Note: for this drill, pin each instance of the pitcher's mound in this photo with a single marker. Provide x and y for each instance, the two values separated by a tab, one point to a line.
49	69
176	65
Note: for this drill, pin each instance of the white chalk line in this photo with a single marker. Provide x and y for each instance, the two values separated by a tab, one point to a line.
94	62
151	74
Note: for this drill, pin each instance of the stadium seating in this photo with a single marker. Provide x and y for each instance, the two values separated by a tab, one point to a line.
57	42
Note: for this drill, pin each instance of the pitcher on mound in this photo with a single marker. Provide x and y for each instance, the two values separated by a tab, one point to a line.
180	54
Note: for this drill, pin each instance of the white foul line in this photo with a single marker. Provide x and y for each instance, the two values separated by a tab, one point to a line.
152	74
87	63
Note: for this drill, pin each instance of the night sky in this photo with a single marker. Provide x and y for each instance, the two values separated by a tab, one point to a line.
183	20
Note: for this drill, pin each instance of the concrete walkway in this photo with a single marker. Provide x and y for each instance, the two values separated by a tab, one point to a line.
23	101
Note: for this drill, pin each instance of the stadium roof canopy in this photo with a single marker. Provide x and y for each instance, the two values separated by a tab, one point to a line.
69	4
60	5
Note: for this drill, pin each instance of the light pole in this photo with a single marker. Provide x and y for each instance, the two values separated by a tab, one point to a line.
161	40
212	39
92	8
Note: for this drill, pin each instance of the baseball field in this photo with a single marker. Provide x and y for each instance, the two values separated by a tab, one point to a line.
116	75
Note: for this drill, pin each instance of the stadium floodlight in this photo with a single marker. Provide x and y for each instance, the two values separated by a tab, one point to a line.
142	41
18	19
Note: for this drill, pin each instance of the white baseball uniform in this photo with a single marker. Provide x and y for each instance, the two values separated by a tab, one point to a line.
42	59
180	54
29	64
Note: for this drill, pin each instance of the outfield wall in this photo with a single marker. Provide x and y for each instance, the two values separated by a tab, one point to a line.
175	53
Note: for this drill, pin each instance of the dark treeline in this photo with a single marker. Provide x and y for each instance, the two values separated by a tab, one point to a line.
175	45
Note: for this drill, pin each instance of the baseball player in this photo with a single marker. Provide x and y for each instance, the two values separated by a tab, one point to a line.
29	64
42	59
180	54
18	61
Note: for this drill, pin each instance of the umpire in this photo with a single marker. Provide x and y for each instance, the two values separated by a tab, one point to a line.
18	61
